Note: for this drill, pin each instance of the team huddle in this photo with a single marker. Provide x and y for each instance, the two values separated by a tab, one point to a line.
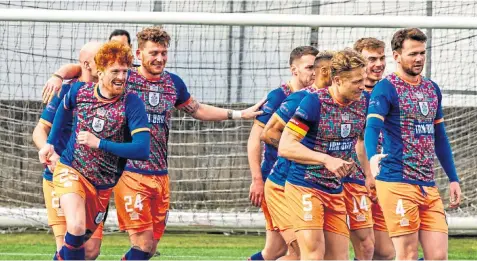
339	142
349	155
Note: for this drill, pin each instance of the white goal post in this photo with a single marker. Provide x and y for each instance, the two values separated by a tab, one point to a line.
27	217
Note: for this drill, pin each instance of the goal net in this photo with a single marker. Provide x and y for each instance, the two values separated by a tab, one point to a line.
230	66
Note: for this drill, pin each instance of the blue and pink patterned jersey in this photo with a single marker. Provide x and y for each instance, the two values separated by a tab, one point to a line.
47	117
327	127
279	172
160	97
110	119
409	113
274	99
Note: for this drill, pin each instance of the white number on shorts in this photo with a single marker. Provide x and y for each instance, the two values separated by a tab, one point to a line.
66	177
400	208
363	204
137	203
307	206
55	201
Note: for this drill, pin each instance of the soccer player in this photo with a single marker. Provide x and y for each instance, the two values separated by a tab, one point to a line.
142	193
322	69
56	219
407	108
320	142
301	67
91	163
121	36
372	50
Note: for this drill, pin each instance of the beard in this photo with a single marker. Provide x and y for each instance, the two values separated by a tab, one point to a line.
409	70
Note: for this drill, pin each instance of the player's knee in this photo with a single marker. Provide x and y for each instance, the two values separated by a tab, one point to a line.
367	246
408	254
384	253
92	254
437	254
77	228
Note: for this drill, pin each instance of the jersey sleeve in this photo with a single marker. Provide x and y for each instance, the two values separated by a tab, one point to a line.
274	99
183	95
381	100
440	113
287	109
306	115
136	114
48	114
69	101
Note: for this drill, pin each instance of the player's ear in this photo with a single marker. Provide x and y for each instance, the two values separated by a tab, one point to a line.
294	69
100	75
336	79
138	54
397	56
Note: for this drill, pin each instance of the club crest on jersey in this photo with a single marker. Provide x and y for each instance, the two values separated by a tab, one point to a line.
345	130
424	108
154	98
98	124
99	218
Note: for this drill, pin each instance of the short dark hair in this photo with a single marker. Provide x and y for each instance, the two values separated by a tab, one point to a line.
407	34
119	32
301	51
325	55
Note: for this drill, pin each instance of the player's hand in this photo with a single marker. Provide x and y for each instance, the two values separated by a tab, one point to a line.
53	160
374	163
256	194
52	86
89	139
455	194
339	167
371	188
253	111
45	153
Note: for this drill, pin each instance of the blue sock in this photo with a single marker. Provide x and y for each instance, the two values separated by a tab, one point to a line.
55	257
256	256
422	258
59	255
136	254
73	249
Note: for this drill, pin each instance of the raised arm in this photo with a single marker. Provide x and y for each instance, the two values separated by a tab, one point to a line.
53	85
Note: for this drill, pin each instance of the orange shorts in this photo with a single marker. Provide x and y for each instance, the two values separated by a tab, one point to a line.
378	218
277	205
409	208
358	206
142	203
314	209
269	225
67	180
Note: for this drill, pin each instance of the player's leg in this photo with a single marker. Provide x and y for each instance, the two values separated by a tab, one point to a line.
401	213
358	208
69	186
275	246
280	217
383	246
133	205
56	218
335	228
92	247
160	203
433	233
307	215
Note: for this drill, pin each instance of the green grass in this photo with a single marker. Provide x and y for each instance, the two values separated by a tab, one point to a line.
28	246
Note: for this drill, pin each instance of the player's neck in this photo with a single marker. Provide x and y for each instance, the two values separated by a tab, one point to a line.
295	85
369	83
319	83
411	79
337	97
87	77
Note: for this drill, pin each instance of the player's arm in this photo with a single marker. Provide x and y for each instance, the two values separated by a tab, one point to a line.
197	110
444	152
254	158
139	147
272	132
378	108
43	127
363	161
53	85
275	126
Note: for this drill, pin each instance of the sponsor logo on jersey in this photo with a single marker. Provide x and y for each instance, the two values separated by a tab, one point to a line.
424	108
98	124
345	130
423	128
340	145
154	98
